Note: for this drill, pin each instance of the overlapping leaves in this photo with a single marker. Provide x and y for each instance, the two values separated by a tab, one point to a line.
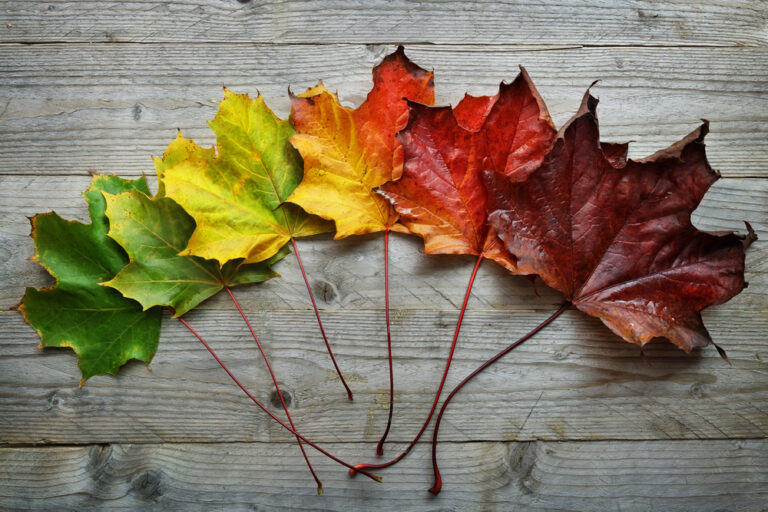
237	195
440	195
613	235
154	231
348	153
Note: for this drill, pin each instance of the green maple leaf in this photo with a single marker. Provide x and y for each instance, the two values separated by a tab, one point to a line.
237	196
104	328
153	231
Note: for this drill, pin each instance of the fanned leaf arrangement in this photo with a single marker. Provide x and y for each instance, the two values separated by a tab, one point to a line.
491	177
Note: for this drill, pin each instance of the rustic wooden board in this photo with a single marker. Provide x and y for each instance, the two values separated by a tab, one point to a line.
572	420
711	22
575	381
620	397
65	109
673	476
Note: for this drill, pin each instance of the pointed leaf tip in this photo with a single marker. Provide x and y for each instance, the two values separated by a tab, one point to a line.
722	353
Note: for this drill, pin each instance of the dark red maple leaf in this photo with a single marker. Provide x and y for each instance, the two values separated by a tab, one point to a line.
615	235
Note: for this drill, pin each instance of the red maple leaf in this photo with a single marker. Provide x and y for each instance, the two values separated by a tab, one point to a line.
440	195
615	235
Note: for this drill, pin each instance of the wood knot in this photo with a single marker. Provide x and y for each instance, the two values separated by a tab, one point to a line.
148	485
274	399
326	291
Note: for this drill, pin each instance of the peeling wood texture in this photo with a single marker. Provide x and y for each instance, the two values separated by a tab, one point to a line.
572	420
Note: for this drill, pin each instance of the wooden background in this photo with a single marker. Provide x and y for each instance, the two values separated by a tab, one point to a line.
573	420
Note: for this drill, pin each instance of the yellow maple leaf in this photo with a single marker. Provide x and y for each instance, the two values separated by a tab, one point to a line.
348	153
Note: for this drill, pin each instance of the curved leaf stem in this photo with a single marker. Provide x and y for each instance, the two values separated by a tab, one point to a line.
271	415
380	445
277	388
438	480
442	381
319	322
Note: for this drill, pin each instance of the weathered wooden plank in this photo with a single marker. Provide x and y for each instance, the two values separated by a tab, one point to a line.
348	273
575	381
674	476
68	108
712	22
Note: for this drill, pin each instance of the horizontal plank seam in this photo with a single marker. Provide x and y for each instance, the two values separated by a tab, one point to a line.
21	446
369	310
532	46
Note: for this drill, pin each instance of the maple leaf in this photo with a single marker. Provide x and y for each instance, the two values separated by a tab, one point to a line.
236	196
348	153
178	150
153	231
440	195
104	328
615	235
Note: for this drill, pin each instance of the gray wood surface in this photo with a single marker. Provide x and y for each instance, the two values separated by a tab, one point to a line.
572	420
68	108
485	22
673	476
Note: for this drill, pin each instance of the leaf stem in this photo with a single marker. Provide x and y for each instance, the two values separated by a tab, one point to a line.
380	445
277	388
319	322
438	480
442	381
271	415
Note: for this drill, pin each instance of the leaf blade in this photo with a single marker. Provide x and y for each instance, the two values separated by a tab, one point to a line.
103	328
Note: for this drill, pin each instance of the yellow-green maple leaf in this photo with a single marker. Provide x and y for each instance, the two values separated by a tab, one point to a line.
178	150
236	194
152	231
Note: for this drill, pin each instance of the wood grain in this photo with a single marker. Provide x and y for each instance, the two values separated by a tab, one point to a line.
711	22
619	397
572	420
575	381
674	476
65	109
